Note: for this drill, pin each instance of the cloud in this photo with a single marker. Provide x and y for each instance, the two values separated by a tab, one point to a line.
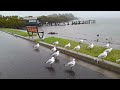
84	14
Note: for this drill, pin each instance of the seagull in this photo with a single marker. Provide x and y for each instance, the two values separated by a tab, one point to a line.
107	45
91	46
51	61
53	49
68	45
36	46
56	43
77	47
81	41
15	35
102	55
55	54
118	60
71	63
108	50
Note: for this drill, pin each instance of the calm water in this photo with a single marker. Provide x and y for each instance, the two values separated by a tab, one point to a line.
108	29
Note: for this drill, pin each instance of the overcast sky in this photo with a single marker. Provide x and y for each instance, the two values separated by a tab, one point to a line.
83	14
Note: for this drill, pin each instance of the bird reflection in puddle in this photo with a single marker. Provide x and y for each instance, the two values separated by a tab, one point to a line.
0	75
71	73
57	60
50	69
68	57
37	50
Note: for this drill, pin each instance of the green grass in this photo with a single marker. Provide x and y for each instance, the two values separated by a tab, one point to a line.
112	56
18	32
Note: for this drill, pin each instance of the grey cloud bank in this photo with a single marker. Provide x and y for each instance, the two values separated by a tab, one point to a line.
83	14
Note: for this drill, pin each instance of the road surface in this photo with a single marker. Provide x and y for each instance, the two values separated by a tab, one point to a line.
18	60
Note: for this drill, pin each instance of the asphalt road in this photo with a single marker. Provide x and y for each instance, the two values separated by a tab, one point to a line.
18	60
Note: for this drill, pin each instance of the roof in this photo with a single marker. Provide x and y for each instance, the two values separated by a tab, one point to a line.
29	18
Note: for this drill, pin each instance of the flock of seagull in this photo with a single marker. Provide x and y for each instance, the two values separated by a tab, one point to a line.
55	54
72	63
77	48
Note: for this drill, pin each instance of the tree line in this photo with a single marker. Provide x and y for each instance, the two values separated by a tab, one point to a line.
18	22
56	18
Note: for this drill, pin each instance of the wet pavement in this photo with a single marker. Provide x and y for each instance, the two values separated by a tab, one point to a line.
18	60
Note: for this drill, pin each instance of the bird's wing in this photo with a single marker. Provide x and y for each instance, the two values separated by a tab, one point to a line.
88	46
54	43
48	61
75	47
52	49
35	46
107	50
101	55
118	60
52	61
66	45
53	54
106	46
70	63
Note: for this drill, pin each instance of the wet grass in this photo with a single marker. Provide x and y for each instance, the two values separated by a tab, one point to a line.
112	56
13	31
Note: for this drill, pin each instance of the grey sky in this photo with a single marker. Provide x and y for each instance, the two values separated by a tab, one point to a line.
83	14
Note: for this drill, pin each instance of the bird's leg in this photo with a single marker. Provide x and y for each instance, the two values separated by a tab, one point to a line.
97	61
15	36
55	58
90	49
71	68
77	51
97	40
102	60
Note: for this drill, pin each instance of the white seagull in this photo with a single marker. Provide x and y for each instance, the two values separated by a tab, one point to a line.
53	49
108	50
102	55
68	45
51	61
56	43
118	60
37	45
91	46
55	54
81	41
107	45
42	38
71	63
77	47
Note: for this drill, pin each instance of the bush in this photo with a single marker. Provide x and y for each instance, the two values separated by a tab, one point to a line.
11	22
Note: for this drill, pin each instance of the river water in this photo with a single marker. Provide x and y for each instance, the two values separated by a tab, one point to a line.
107	28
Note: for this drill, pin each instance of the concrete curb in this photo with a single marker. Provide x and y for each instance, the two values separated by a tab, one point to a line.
90	59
